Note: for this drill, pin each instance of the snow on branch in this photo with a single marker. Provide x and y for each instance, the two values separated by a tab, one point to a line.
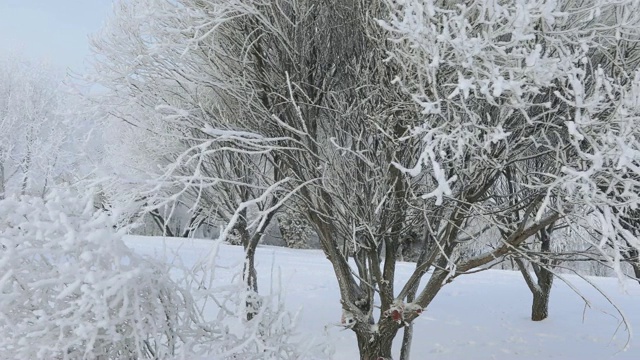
512	82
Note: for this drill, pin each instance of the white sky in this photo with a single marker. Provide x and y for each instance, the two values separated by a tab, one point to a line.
56	30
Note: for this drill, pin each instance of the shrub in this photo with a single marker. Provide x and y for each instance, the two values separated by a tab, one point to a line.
72	289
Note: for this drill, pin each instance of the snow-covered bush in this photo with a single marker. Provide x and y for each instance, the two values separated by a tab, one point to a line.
72	289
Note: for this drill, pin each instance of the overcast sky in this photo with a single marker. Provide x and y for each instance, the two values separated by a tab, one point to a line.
56	30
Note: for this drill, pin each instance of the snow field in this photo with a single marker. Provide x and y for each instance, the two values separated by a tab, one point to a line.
479	316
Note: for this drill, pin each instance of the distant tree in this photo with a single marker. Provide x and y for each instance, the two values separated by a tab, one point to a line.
294	228
36	128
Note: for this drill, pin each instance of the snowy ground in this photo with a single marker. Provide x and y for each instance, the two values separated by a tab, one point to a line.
480	316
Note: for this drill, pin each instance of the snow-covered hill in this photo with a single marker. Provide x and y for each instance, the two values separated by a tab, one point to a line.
480	316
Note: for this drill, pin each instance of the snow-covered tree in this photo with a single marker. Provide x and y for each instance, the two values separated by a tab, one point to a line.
184	153
385	119
37	128
528	118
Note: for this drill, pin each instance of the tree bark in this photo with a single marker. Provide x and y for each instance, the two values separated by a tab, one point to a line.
250	276
405	351
540	305
542	289
26	166
376	346
249	273
407	337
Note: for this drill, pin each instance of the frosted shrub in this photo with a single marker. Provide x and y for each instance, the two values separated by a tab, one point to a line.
72	289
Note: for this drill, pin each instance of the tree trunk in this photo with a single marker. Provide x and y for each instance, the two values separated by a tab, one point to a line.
26	164
376	346
162	224
540	306
426	244
405	351
25	173
249	274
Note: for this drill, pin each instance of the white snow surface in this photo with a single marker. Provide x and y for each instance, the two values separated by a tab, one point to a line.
478	316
